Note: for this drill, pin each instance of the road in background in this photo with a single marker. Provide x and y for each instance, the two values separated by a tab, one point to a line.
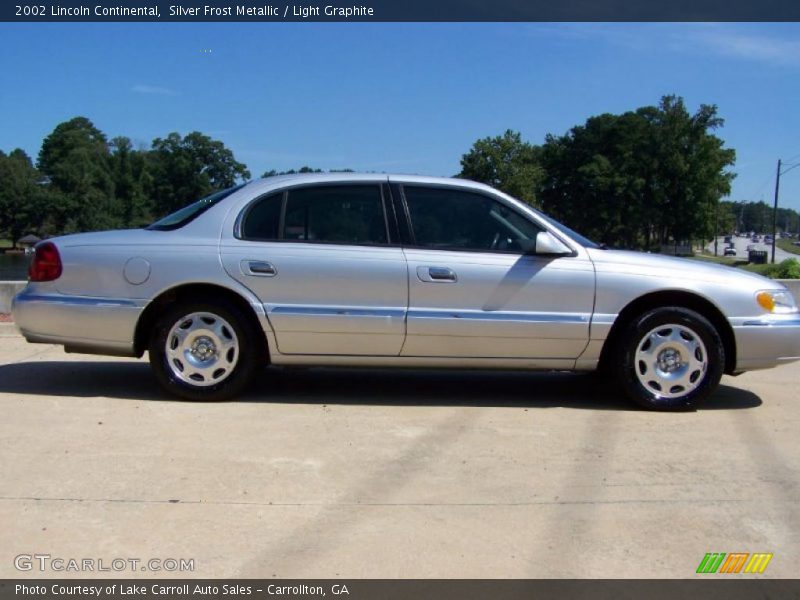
741	244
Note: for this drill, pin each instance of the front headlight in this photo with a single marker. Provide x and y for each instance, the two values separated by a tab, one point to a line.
776	301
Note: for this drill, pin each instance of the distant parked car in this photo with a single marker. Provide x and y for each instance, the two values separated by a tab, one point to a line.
397	271
729	251
768	239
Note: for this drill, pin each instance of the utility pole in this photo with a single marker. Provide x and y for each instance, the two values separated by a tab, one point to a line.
775	210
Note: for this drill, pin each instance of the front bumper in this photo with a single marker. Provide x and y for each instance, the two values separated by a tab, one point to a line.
767	341
79	323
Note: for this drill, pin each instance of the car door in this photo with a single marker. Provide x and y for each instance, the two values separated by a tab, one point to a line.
474	292
321	259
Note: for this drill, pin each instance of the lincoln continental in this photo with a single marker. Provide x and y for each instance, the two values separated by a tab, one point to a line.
397	271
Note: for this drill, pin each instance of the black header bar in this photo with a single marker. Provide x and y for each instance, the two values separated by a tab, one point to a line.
399	10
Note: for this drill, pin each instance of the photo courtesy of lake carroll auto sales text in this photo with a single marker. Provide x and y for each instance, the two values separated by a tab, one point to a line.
184	590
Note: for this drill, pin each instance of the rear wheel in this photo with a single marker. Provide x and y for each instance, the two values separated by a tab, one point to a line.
670	359
205	351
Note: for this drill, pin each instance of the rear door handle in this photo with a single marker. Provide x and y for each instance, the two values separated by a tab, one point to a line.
437	274
259	268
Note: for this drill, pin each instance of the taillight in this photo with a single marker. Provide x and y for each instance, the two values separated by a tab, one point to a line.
46	264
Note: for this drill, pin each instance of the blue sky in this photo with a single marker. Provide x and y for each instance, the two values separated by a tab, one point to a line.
399	97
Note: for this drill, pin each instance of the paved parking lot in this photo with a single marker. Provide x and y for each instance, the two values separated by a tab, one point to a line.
324	473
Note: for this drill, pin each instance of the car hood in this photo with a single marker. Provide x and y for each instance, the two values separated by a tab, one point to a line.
675	268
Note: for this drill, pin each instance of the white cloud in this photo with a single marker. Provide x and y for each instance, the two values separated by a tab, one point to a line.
140	88
752	46
733	41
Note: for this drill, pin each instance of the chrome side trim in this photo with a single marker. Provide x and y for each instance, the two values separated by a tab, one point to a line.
432	314
74	300
772	323
332	311
603	319
500	316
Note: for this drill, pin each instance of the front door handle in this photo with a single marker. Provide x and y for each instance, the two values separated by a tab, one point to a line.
259	268
437	274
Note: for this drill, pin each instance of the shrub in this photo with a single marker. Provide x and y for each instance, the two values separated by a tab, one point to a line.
787	269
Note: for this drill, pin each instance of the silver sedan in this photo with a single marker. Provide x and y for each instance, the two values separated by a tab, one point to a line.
397	271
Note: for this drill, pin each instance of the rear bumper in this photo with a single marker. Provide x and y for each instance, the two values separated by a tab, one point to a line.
764	342
79	323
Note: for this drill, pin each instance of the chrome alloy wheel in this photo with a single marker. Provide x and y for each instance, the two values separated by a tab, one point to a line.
671	361
202	349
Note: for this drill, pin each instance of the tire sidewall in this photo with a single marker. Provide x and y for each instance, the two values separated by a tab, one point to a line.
242	373
638	328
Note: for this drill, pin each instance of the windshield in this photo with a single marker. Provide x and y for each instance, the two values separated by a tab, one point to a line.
181	217
583	241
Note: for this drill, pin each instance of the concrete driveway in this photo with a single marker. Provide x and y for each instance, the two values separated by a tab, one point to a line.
325	473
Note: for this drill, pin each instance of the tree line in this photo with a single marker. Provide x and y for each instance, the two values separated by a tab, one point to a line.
82	181
756	217
637	180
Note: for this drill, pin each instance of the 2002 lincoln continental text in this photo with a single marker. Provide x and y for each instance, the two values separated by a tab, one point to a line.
377	270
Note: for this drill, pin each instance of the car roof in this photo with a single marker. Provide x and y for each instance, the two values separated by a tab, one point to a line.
278	181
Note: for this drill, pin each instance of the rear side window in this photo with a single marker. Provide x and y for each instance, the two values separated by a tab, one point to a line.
262	221
460	220
342	214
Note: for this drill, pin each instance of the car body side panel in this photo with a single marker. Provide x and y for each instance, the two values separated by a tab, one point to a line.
95	325
500	305
327	299
762	340
95	305
766	341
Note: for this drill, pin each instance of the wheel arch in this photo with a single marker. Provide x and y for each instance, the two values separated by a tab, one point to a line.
672	298
191	292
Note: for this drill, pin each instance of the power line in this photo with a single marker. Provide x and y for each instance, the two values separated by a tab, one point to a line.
762	187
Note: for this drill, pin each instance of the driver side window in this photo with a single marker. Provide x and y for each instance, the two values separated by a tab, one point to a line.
449	219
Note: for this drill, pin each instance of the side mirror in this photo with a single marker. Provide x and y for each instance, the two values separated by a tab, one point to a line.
548	244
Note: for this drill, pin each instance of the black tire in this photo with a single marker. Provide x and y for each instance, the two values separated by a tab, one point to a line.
250	352
651	335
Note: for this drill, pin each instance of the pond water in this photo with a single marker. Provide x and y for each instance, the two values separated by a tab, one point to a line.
14	267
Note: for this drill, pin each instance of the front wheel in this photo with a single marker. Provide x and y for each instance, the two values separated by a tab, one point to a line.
670	359
204	351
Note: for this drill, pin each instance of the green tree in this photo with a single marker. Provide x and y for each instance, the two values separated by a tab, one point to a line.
132	182
648	176
274	172
187	168
726	218
506	163
757	217
75	159
591	182
21	196
693	165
